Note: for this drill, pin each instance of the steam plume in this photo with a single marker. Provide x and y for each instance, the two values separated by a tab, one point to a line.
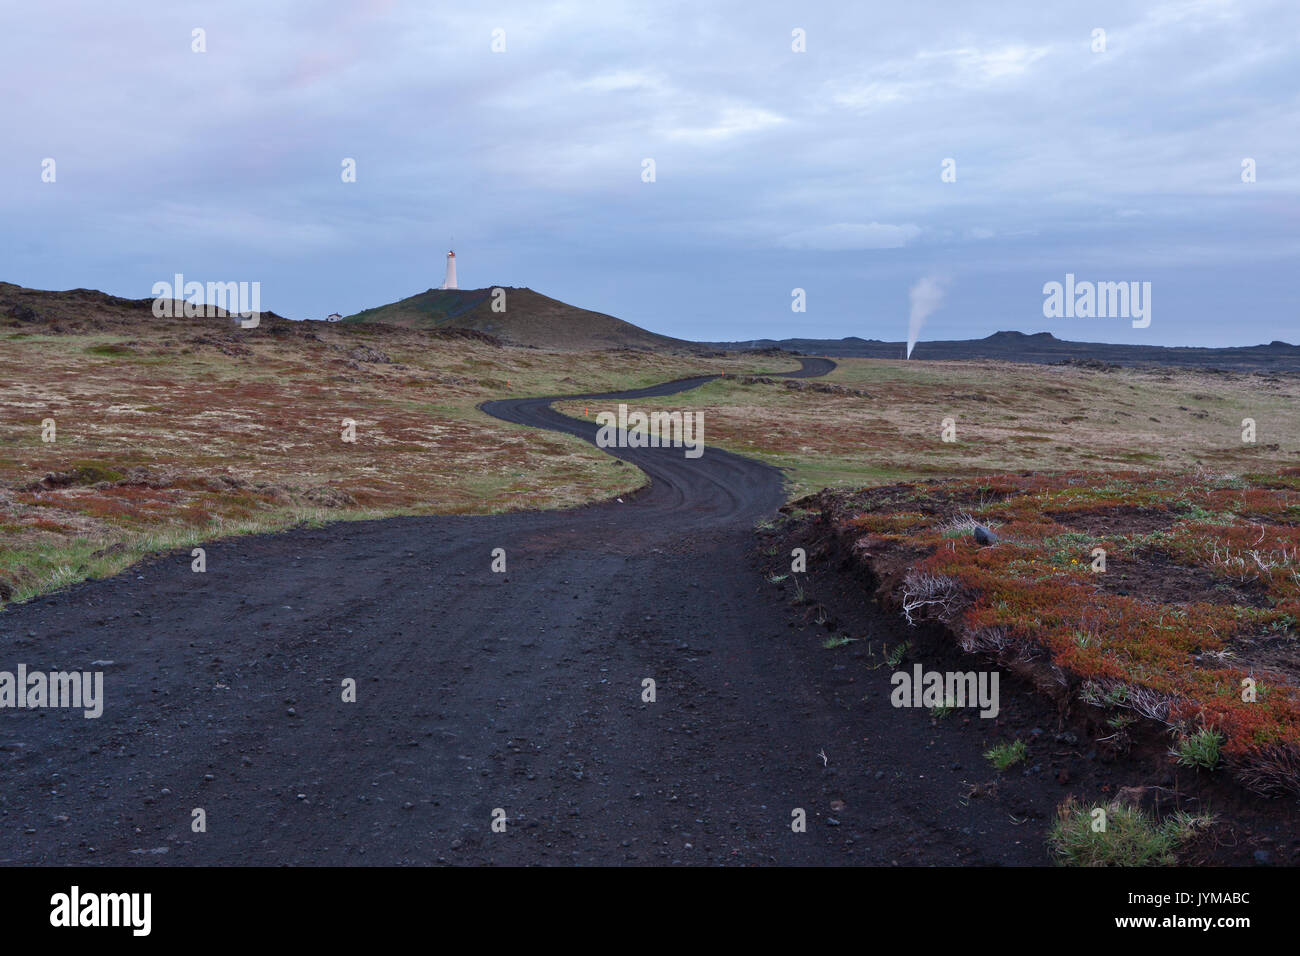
926	296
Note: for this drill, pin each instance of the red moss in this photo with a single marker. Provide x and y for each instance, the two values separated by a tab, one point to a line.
1038	588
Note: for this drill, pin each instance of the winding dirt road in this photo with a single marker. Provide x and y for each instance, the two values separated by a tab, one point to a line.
476	691
687	494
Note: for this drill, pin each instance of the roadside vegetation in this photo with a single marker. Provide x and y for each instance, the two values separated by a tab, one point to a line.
1164	603
1121	835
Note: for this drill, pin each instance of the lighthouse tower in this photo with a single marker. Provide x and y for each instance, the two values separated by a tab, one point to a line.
450	281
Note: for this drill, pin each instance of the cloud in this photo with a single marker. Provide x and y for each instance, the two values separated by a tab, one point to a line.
248	228
849	235
871	94
729	121
930	74
995	63
766	158
617	80
852	236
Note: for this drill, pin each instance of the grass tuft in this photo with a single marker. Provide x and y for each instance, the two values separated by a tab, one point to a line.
1003	756
1126	837
1201	749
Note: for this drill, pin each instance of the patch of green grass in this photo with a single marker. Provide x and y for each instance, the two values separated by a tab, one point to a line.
1201	749
1119	836
1003	756
39	568
93	472
809	477
837	640
895	655
944	710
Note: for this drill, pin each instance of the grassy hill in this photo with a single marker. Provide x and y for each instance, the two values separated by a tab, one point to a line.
529	318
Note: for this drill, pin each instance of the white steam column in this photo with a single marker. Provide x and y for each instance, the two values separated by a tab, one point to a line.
450	281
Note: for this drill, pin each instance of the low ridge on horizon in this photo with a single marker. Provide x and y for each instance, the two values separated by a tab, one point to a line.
1040	348
536	320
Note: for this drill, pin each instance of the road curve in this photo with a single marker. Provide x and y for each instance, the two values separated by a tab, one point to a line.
717	487
521	692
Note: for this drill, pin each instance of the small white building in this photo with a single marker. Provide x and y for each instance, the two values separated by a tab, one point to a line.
333	317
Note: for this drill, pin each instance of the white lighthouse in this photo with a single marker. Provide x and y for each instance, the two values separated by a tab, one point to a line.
450	281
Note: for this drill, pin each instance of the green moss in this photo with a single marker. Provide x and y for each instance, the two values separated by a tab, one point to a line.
93	472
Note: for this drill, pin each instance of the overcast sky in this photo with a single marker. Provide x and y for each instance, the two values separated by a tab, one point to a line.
774	169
